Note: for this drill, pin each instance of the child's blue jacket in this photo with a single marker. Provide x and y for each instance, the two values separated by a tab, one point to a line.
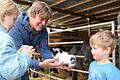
12	63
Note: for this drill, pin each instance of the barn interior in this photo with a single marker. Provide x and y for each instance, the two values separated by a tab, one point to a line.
77	13
73	21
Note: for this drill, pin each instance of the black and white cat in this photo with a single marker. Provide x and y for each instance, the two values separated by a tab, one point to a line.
65	57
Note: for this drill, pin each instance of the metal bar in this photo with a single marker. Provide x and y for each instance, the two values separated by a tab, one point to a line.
82	27
74	42
113	53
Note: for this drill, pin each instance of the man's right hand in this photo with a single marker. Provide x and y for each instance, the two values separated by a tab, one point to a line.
50	63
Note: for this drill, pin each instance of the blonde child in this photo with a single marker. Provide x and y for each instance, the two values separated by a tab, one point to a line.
13	63
103	43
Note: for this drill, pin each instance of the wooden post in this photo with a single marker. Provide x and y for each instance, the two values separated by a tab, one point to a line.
118	21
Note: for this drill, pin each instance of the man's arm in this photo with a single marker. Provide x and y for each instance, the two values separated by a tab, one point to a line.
43	46
16	35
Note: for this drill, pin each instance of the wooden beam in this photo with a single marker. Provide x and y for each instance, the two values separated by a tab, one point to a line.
106	10
60	18
74	5
22	2
77	4
96	6
60	10
76	14
57	3
69	20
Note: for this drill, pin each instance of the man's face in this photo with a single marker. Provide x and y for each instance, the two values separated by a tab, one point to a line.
37	23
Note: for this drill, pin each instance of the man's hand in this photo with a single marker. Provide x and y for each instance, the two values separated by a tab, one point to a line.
50	63
67	67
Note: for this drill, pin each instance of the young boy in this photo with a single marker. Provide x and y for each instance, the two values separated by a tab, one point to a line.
103	43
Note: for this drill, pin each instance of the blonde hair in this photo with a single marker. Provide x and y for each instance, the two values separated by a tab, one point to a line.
40	8
7	7
104	39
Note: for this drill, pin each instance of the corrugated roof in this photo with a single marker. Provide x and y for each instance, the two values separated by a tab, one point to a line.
74	13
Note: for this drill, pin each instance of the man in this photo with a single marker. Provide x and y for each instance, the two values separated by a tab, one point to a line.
30	29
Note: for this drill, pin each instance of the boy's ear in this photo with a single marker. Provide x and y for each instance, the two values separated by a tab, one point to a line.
108	50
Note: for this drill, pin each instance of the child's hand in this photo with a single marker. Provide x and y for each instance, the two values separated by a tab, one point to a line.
27	49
